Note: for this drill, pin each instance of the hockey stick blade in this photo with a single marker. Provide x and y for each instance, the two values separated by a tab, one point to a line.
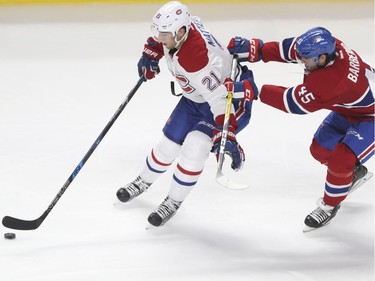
14	223
226	182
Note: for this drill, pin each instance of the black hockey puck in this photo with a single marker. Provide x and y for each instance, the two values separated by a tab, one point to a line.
10	235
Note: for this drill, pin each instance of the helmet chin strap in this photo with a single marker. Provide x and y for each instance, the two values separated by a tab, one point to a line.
178	42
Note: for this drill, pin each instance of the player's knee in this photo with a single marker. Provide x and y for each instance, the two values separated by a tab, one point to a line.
166	150
320	153
343	160
197	146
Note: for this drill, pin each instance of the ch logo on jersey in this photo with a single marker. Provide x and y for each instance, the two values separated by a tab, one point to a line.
185	84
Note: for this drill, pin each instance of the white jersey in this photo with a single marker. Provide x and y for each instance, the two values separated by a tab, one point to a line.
200	66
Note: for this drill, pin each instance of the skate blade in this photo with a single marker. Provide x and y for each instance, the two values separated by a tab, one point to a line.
361	182
149	226
308	229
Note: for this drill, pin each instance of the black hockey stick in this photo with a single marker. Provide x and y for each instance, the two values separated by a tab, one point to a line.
20	224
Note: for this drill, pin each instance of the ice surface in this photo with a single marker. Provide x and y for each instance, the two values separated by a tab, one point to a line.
64	70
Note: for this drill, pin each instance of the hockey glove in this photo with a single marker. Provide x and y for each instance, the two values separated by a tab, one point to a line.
247	50
148	65
232	148
245	88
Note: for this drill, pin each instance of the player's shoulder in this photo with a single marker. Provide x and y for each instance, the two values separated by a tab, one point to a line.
327	83
193	54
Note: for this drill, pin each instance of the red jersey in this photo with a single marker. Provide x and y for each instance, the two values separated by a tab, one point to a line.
342	86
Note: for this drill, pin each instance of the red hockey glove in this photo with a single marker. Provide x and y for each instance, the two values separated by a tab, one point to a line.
148	65
245	88
232	148
247	50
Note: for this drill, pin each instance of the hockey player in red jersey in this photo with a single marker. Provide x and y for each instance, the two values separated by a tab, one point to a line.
336	78
200	65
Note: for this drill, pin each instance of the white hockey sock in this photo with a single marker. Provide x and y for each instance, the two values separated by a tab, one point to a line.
159	159
195	152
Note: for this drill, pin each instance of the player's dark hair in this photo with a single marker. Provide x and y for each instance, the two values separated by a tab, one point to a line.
328	59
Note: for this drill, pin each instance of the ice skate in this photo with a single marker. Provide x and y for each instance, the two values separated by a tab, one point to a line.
321	216
132	190
360	176
164	212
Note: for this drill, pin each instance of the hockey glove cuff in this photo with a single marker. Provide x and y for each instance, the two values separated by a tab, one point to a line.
234	151
232	148
246	88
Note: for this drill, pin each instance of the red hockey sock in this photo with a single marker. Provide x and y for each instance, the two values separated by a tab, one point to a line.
339	175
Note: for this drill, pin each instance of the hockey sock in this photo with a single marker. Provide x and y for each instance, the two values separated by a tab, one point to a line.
159	159
339	175
196	150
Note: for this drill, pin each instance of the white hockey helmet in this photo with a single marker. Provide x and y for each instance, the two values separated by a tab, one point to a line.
170	18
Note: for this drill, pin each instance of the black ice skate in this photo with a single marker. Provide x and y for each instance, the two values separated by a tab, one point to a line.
132	190
360	172
164	212
320	217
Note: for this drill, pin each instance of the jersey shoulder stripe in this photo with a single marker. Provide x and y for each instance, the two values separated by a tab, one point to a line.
193	55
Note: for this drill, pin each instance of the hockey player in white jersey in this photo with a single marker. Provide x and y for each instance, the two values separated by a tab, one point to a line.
200	65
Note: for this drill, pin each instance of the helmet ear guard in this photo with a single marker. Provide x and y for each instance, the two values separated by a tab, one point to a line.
316	42
171	18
